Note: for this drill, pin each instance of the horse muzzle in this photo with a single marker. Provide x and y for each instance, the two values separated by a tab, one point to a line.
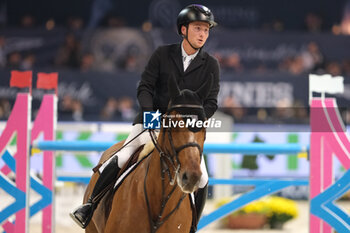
189	181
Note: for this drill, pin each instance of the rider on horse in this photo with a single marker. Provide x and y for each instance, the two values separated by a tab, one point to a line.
191	66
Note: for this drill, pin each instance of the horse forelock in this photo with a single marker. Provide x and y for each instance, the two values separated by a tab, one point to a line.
185	104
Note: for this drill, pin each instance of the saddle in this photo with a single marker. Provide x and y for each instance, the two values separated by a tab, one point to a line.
131	161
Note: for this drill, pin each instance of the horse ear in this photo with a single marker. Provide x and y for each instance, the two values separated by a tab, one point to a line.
173	88
204	90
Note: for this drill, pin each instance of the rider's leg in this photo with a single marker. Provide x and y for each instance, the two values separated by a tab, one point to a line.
108	172
129	149
200	196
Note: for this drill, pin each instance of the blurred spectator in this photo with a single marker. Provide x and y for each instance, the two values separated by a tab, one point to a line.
297	65
347	117
65	107
346	67
310	60
126	108
14	61
68	54
113	21
233	62
220	58
312	57
262	115
75	23
231	107
276	25
261	68
110	110
333	68
283	110
131	64
313	22
129	61
71	109
300	112
116	22
87	62
50	24
345	23
3	52
28	62
77	110
285	64
5	109
27	21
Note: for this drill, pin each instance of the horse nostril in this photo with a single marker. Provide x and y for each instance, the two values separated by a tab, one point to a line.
184	178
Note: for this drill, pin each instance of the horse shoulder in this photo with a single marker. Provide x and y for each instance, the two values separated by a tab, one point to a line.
181	221
129	204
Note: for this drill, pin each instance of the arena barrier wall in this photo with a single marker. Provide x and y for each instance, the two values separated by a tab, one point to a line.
327	138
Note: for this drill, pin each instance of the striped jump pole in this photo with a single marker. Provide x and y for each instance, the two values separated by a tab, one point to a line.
17	131
17	162
232	148
45	125
328	138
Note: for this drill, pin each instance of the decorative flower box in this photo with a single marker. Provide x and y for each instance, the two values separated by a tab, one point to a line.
246	221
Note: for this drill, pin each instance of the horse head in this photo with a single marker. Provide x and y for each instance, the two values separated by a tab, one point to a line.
185	136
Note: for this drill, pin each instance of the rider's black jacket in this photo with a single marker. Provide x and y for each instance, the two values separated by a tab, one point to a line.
152	91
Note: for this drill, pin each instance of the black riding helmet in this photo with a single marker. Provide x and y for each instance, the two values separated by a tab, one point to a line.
195	12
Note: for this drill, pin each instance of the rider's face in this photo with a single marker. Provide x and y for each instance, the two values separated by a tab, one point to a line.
197	34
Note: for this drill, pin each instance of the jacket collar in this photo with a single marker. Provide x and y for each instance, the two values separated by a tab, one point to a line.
176	55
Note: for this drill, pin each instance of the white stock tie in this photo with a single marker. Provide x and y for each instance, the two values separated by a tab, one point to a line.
187	61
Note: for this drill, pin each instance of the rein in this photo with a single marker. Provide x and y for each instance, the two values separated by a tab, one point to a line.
166	158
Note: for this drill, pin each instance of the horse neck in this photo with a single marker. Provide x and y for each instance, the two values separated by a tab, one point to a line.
156	171
156	161
155	185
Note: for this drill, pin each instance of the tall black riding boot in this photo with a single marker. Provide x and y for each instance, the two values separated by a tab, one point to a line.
200	198
83	214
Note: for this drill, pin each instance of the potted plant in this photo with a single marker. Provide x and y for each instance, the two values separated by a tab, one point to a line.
280	211
251	216
274	211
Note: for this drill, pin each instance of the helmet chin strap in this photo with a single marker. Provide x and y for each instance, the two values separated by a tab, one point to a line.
186	38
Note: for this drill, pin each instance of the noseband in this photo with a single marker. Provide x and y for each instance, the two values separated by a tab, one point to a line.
172	158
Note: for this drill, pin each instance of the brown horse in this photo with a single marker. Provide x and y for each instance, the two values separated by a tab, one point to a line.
154	197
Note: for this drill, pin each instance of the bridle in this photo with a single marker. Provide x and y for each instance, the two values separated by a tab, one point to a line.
169	156
172	158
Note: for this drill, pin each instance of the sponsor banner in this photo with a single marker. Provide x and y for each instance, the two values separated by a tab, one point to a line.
253	90
91	90
250	91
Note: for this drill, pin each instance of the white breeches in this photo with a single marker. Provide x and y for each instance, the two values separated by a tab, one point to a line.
125	153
